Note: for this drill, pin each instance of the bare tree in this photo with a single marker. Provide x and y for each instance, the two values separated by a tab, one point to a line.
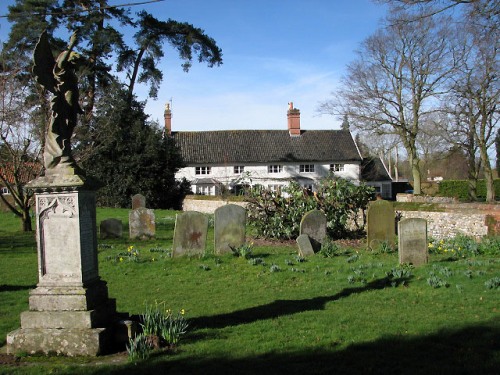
19	137
399	74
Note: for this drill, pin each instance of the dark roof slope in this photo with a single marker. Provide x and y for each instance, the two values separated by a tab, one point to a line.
266	146
372	169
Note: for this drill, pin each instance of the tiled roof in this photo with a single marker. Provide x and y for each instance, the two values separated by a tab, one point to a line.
372	169
265	146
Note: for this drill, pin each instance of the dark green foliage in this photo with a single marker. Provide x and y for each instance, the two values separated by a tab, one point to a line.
277	215
459	189
130	156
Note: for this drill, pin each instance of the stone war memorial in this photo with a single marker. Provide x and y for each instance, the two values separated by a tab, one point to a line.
412	241
313	224
190	234
380	224
69	310
230	228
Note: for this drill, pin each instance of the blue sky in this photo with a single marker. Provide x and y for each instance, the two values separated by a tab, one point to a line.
274	52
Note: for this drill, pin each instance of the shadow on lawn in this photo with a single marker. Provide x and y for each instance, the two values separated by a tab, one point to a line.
22	242
287	307
14	288
470	350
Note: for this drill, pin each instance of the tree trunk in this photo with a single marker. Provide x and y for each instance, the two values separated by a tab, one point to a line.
415	171
26	220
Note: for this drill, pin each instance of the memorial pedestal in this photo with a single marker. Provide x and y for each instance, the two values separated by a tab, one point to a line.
69	311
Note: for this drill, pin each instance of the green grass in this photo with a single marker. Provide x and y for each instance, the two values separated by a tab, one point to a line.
324	315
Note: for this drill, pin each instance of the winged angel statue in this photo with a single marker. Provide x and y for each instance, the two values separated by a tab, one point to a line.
58	76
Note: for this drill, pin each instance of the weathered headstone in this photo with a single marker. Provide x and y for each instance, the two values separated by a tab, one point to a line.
380	223
229	228
313	224
412	241
142	223
111	228
305	246
138	201
190	234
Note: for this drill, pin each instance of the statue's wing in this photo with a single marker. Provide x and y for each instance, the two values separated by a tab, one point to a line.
43	63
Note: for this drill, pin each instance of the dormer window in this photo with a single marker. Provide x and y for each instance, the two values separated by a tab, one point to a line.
306	168
202	170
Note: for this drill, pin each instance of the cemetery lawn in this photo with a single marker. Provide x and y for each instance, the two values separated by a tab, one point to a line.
338	315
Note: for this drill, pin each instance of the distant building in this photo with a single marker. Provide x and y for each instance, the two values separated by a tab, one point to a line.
232	159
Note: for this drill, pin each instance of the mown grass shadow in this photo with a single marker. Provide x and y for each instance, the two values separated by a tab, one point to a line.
23	242
279	308
469	350
15	288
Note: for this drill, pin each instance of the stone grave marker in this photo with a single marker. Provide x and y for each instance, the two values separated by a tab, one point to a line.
229	228
380	223
313	224
412	241
190	234
111	228
138	201
305	246
142	223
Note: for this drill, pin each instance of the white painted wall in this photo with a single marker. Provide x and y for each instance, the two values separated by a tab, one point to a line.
258	174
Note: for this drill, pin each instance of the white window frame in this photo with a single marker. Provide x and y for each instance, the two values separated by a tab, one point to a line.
274	168
306	168
5	190
275	188
239	169
337	167
203	190
204	170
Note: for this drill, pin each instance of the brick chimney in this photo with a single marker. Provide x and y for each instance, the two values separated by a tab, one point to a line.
168	119
293	116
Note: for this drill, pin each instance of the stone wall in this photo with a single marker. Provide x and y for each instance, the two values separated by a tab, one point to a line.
469	219
449	224
206	206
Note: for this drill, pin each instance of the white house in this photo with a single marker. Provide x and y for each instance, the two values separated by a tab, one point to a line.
270	158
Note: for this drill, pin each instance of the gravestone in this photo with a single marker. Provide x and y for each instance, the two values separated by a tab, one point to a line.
229	228
412	241
305	246
111	228
142	223
190	234
138	201
380	223
313	224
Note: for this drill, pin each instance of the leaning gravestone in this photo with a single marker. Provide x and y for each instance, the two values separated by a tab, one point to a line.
305	246
412	241
313	224
380	220
190	234
138	201
111	228
142	223
230	227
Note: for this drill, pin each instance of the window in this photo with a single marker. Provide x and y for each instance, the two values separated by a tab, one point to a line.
5	190
275	188
238	169
336	167
203	190
274	168
306	168
308	187
202	170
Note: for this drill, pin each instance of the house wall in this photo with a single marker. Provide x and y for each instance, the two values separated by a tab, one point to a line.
259	175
